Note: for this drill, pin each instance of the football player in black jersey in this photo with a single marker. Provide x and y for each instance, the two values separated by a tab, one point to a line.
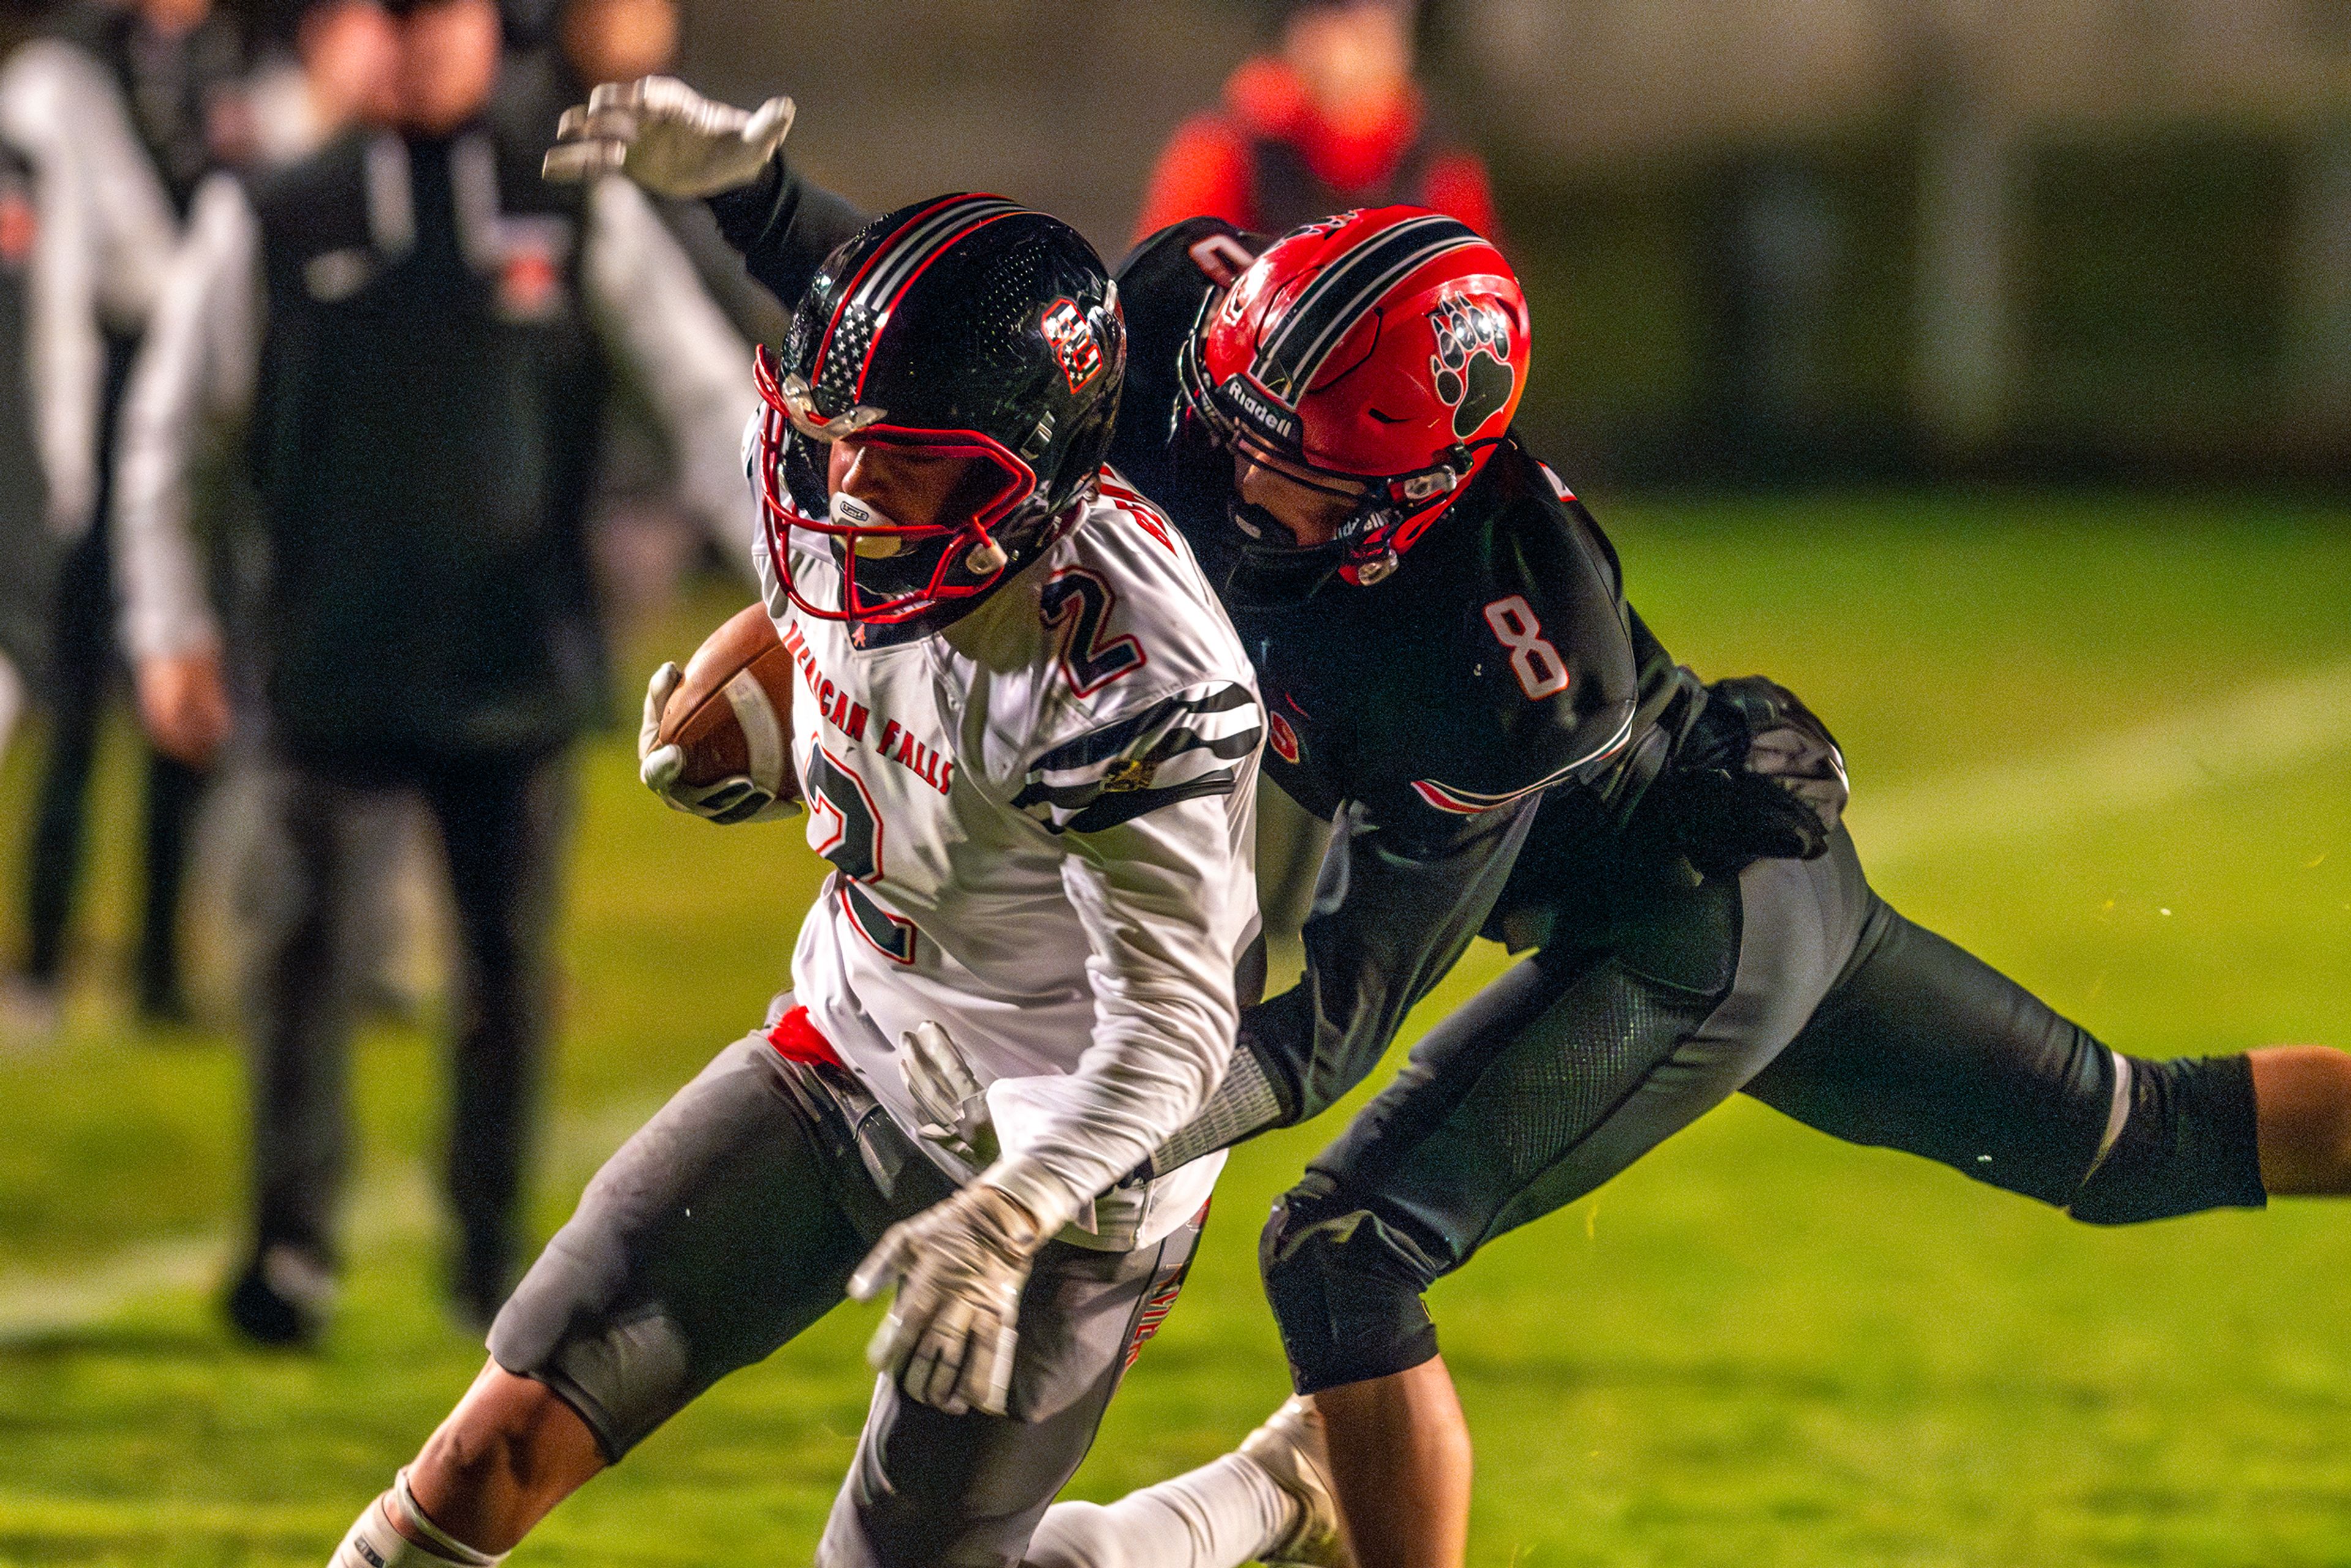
1454	676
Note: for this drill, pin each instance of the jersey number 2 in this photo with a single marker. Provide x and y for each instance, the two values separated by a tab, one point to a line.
855	848
1541	671
1076	601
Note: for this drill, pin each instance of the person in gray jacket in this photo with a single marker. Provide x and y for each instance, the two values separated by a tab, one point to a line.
408	336
128	106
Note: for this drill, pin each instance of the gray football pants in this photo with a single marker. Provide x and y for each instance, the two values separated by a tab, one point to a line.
1793	982
731	1222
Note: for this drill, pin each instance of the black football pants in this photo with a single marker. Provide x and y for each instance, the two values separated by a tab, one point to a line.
502	822
1795	983
79	673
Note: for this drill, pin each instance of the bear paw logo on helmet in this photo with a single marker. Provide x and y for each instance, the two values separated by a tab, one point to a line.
1472	363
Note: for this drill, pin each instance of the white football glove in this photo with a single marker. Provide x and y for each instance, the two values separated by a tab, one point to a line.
737	797
951	1099
960	1267
667	137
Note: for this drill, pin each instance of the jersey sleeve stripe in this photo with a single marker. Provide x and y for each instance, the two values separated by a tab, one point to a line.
1178	748
1469	803
1114	740
1111	810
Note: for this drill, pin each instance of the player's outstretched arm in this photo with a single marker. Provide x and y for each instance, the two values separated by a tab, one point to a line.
674	142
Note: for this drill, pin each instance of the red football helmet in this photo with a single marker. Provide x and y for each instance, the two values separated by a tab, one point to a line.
1385	349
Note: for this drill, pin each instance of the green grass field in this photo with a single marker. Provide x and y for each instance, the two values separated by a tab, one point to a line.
2104	743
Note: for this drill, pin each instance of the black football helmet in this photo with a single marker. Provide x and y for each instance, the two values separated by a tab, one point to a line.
966	326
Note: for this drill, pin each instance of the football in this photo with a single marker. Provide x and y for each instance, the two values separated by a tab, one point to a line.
731	714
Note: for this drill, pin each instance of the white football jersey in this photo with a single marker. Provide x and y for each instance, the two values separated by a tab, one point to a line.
1041	825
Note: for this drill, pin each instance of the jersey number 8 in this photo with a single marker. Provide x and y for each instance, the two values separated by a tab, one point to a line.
1541	671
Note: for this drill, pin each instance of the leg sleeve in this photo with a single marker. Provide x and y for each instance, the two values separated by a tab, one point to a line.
1924	1047
708	1241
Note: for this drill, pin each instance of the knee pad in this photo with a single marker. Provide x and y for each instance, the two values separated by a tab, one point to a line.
1345	1285
2189	1141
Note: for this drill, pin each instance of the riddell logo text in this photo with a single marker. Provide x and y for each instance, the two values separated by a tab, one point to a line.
1261	409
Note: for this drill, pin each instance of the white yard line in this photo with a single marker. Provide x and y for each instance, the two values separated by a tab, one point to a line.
2259	730
397	1202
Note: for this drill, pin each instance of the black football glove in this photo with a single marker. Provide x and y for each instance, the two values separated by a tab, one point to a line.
1758	776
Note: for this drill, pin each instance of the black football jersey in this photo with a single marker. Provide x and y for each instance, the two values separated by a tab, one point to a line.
1480	722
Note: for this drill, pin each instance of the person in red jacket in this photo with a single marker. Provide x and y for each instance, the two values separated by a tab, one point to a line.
1331	120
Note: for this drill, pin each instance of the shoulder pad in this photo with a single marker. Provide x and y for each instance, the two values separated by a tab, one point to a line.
1546	641
1210	247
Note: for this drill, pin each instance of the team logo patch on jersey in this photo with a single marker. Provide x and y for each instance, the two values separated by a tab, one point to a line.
1074	343
530	254
1128	774
1472	363
1281	737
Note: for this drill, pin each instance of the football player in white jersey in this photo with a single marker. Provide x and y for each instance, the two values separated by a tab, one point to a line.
1027	738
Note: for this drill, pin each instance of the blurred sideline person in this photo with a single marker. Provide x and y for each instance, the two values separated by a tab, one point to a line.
138	103
621	40
41	318
1027	738
1451	668
1332	120
343	72
407	338
50	359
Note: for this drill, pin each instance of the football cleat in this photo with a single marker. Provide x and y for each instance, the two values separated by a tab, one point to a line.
1291	1449
283	1298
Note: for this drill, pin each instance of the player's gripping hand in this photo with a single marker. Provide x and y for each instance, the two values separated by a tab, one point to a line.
947	1093
667	137
958	1266
1758	776
735	798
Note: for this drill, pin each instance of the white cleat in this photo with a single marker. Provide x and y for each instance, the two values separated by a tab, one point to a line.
1289	1448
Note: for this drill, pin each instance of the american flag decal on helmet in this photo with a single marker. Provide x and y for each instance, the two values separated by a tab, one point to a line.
863	313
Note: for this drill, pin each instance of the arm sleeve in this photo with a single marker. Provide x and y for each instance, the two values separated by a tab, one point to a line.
653	311
73	115
1164	897
1203	172
1390	920
785	226
68	355
193	379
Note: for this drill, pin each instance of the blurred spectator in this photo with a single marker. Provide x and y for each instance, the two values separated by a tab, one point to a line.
417	334
1333	119
127	108
26	541
346	54
620	40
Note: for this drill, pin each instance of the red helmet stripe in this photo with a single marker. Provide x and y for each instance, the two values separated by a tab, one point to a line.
864	304
881	322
